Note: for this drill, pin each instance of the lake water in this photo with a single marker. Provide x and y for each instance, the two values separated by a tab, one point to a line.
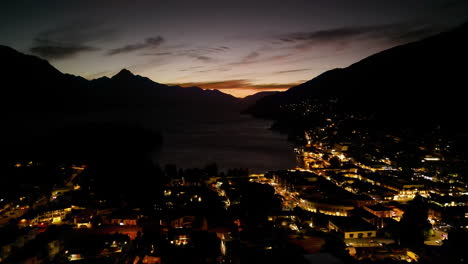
233	141
192	138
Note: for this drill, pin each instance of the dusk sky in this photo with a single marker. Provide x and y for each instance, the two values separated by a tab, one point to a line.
241	47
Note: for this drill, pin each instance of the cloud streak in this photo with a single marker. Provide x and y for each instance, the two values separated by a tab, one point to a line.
250	57
157	54
57	51
203	58
70	40
256	57
345	35
203	54
152	42
291	71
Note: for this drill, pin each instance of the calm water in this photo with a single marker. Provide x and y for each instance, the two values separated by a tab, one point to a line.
194	138
235	141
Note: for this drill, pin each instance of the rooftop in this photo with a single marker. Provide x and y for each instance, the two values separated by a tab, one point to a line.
351	224
378	207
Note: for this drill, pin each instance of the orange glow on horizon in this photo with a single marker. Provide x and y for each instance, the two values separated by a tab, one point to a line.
241	93
239	88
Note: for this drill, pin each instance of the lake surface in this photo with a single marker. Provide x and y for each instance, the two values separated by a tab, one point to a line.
192	138
235	141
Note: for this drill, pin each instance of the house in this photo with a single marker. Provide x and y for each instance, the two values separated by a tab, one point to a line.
379	210
190	221
352	227
122	218
83	219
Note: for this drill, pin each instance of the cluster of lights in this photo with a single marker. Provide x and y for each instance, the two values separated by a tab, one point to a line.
181	241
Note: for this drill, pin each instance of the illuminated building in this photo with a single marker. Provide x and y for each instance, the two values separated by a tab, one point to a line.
379	210
328	207
352	227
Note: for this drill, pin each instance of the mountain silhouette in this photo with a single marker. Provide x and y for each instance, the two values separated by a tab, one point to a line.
412	83
31	84
252	99
124	74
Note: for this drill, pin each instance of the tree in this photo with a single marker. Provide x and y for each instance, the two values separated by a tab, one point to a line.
414	224
336	247
335	162
171	171
212	169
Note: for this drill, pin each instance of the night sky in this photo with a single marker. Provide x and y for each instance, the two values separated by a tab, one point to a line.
241	46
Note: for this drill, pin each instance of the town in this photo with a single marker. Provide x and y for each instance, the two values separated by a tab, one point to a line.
336	206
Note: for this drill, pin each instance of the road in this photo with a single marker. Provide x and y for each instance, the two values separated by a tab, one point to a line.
6	216
437	239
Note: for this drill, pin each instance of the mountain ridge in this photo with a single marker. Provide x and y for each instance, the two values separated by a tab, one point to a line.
31	83
418	79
